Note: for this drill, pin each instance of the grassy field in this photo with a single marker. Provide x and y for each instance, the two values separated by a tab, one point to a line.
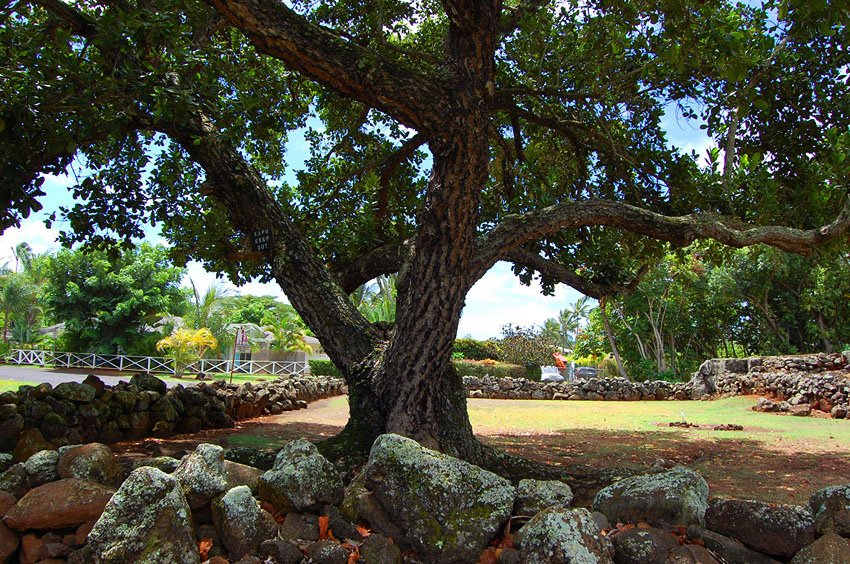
11	385
556	416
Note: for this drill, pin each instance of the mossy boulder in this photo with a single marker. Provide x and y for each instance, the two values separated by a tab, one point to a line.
301	479
42	467
831	509
202	474
564	536
676	497
242	525
74	391
536	495
448	509
147	521
93	461
643	545
148	382
775	529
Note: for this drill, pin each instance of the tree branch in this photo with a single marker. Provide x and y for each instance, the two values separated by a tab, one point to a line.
564	275
511	18
515	230
383	260
416	100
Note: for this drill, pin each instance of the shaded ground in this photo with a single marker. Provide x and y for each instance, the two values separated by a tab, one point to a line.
776	459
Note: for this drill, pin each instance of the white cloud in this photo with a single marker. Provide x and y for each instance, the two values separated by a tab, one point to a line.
203	280
32	231
499	299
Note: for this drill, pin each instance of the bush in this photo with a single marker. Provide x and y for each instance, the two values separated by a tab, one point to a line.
493	368
526	345
608	367
324	368
474	349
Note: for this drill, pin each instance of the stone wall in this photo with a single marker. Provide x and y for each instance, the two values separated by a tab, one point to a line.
818	381
607	389
73	413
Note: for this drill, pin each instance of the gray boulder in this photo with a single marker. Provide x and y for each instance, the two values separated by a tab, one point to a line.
202	475
676	497
15	480
831	509
563	536
829	549
447	509
642	546
778	530
146	521
42	467
536	495
242	524
300	480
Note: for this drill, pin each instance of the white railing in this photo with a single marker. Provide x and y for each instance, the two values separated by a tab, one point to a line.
126	363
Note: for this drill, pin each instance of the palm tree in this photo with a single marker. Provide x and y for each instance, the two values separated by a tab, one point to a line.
571	318
377	302
206	313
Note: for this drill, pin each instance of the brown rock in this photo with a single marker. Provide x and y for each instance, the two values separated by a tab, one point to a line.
7	500
242	475
83	531
218	560
52	550
30	548
9	542
829	549
70	540
94	462
773	529
66	503
30	441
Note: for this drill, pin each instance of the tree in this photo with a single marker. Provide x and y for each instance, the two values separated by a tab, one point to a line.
107	301
570	320
542	121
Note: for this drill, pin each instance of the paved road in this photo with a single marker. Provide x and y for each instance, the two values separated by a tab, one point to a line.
38	375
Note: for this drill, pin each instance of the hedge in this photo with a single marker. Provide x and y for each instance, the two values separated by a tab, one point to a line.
497	369
324	368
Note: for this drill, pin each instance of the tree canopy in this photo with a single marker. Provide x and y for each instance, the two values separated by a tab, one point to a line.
444	137
108	302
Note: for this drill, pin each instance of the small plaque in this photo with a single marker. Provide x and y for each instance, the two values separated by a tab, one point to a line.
261	240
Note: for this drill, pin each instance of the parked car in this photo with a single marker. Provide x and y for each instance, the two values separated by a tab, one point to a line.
550	374
586	372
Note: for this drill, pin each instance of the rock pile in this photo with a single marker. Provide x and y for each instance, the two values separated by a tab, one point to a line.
790	384
408	504
43	417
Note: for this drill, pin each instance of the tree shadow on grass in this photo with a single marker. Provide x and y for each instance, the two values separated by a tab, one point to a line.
741	468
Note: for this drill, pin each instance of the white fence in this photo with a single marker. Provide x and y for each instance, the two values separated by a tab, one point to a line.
124	363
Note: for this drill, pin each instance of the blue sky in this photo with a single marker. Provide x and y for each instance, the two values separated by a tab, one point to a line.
497	299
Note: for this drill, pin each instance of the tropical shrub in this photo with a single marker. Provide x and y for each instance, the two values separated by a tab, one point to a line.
186	346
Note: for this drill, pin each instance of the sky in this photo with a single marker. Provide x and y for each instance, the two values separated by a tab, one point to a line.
496	300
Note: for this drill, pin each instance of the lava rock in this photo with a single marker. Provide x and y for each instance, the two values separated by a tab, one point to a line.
676	497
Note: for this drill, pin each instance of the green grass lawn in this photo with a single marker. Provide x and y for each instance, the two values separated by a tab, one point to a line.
554	416
11	385
237	378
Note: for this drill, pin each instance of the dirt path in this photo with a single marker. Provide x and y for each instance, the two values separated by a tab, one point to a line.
786	473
